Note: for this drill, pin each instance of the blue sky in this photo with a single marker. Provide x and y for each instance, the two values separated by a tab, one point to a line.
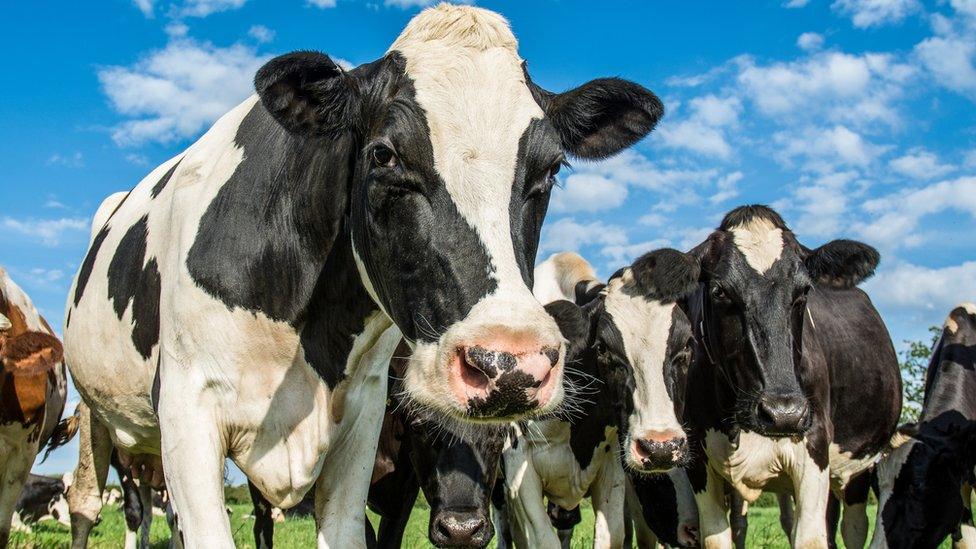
854	118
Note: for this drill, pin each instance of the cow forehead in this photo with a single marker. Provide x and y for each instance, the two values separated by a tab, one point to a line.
760	242
643	324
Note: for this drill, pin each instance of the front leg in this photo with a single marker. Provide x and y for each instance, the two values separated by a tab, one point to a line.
528	520
607	494
811	486
854	524
12	479
343	484
713	512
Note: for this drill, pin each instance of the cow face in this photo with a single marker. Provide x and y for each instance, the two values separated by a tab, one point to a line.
457	474
643	342
452	158
752	301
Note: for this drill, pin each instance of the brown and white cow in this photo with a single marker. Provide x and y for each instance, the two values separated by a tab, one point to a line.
32	392
245	298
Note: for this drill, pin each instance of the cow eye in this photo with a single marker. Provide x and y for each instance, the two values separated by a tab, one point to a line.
383	156
719	294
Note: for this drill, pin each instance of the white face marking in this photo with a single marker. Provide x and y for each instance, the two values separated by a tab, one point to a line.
644	326
760	242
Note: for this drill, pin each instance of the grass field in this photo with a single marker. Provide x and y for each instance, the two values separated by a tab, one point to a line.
764	530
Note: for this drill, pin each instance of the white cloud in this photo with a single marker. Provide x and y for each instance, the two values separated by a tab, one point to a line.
175	92
840	87
261	33
822	202
46	276
909	287
726	187
920	164
322	3
567	234
625	254
822	149
810	41
145	6
950	60
703	131
407	4
898	214
203	8
588	192
47	231
74	160
652	220
795	3
137	159
872	13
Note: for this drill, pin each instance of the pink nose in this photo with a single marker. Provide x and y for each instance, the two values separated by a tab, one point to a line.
659	450
502	378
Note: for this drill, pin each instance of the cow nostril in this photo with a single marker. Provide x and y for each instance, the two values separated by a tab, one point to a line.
783	413
456	530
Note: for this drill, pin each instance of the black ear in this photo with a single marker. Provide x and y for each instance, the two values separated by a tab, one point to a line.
842	263
307	93
602	117
666	274
572	324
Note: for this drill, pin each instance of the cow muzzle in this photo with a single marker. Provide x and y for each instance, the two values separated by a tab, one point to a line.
658	451
460	529
782	414
505	377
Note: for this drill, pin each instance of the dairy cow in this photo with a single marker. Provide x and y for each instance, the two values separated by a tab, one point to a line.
244	299
788	347
628	351
32	393
925	484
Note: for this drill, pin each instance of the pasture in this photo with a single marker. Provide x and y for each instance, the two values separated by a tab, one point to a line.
764	530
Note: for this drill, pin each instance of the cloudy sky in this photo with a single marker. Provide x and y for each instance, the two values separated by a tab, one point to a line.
854	118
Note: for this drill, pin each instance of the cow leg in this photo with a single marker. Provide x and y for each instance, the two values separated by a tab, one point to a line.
713	513
528	520
193	455
145	524
85	493
499	515
854	525
833	517
811	485
343	484
967	533
643	535
392	528
785	502
12	480
131	505
263	523
607	493
739	519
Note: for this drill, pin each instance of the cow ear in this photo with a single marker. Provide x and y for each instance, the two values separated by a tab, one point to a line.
602	117
903	434
842	263
307	93
666	274
572	324
31	353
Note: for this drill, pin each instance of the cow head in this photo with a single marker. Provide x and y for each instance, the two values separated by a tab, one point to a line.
752	303
643	343
452	153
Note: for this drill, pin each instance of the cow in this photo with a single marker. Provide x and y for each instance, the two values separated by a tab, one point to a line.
786	348
244	299
627	352
42	498
925	484
33	388
455	470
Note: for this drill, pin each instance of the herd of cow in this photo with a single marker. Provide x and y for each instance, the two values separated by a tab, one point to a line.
334	288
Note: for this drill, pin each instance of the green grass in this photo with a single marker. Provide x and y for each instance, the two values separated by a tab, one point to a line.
764	530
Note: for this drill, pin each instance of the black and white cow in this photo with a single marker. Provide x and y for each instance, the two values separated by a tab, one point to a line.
33	388
788	349
626	353
245	298
42	498
925	484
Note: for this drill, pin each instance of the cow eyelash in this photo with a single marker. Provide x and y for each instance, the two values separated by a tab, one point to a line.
382	155
549	181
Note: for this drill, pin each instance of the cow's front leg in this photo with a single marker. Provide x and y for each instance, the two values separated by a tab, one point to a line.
528	520
85	492
811	487
854	524
608	493
713	512
343	484
193	452
12	479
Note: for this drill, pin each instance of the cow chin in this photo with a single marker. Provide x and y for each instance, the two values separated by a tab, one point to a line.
441	379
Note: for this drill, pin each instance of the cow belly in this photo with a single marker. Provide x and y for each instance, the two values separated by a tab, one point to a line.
757	462
844	466
564	481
